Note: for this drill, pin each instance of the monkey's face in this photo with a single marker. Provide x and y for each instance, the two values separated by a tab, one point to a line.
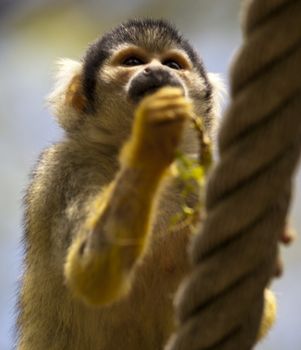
133	72
143	72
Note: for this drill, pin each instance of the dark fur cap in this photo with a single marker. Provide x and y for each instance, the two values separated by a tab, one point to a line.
153	35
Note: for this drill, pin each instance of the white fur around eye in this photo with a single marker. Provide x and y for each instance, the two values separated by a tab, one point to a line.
66	70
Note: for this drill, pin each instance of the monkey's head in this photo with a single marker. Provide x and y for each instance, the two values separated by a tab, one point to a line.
97	96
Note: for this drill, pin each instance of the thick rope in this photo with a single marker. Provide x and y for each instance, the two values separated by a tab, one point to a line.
219	306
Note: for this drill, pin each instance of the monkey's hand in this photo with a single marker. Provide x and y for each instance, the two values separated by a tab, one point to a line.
270	304
158	125
101	260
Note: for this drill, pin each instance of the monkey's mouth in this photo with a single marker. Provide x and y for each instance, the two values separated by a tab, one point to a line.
143	85
148	91
137	94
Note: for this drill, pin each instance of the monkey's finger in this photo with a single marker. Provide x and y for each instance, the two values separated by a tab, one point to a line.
173	107
174	102
162	96
169	91
170	116
164	93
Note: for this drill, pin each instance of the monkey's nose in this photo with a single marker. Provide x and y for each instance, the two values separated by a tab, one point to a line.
147	71
150	80
156	72
157	75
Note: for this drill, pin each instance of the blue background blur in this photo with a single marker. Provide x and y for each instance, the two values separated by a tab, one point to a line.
33	34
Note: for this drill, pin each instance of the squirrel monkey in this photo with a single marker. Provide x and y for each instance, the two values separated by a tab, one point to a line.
101	266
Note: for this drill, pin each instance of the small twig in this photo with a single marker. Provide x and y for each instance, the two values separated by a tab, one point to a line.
189	170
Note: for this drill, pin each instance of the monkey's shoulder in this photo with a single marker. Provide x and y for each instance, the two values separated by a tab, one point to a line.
62	174
65	169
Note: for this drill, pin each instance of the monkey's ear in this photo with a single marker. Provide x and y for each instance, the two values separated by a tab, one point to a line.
218	96
67	101
219	93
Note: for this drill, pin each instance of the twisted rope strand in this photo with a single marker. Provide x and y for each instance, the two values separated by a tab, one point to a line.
219	306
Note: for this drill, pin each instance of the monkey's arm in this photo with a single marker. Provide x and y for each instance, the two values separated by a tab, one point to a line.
100	260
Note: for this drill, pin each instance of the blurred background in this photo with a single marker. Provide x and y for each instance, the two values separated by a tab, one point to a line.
33	33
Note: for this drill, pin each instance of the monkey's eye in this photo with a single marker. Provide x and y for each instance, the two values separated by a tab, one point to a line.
132	61
172	64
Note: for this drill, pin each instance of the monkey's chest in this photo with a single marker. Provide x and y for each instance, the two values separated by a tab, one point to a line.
145	318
